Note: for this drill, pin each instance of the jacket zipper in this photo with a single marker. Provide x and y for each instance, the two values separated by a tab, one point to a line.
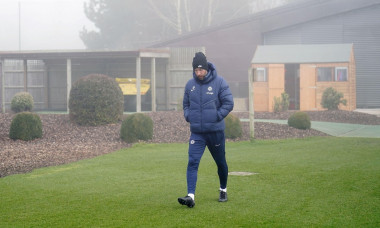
201	104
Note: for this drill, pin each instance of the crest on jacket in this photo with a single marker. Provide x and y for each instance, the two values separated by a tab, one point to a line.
209	91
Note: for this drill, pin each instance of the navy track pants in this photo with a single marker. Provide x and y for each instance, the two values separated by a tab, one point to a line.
215	142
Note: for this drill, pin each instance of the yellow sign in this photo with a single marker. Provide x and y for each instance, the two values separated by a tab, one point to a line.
128	85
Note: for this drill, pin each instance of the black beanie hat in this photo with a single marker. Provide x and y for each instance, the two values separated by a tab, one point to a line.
200	61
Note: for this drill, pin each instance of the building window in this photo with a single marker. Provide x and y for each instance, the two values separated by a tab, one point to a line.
325	74
329	74
340	74
260	74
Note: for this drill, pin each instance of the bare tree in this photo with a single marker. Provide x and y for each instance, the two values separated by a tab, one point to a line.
196	14
260	5
173	21
134	23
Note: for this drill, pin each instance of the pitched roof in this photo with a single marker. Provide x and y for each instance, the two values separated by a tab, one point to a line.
318	53
280	17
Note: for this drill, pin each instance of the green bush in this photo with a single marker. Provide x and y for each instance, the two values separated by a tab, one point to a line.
300	120
233	127
22	102
281	104
180	104
332	98
284	102
276	104
25	126
96	100
136	127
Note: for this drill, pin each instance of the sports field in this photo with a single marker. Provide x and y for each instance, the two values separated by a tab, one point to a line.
314	182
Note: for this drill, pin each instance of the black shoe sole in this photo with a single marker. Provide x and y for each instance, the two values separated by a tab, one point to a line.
223	199
186	202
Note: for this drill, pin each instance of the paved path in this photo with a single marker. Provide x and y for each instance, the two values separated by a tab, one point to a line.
373	111
338	129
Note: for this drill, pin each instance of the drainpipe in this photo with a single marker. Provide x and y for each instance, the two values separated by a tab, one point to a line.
68	82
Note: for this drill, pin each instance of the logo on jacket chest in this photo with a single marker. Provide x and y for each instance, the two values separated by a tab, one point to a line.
209	91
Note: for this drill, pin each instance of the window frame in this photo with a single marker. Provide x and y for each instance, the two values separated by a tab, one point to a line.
331	69
336	74
255	75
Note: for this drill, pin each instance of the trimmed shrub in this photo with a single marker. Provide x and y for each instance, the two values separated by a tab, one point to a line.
136	127
25	126
284	102
96	100
300	120
281	104
331	99
276	104
22	102
233	127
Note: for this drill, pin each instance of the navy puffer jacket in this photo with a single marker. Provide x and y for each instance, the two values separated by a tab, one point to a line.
207	102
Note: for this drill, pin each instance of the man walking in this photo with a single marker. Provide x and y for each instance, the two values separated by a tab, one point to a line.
207	101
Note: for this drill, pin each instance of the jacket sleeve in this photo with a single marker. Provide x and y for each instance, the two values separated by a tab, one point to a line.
226	100
186	104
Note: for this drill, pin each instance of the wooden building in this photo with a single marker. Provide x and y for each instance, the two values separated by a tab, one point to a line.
49	75
231	45
303	72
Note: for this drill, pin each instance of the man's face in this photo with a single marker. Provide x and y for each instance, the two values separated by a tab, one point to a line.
200	73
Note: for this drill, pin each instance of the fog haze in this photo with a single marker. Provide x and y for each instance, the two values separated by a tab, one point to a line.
56	24
44	24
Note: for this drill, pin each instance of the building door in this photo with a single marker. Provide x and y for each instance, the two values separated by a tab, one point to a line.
292	85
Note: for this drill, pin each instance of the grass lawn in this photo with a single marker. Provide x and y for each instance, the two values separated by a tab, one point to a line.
315	182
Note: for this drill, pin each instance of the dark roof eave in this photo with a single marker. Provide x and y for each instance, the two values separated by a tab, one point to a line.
84	54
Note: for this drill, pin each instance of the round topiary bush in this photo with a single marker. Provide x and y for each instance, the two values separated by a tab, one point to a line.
22	102
96	100
300	120
136	127
25	126
233	127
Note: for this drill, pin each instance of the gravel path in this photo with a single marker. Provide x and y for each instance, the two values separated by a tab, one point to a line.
64	142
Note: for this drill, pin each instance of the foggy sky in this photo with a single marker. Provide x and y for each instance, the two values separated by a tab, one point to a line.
45	24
